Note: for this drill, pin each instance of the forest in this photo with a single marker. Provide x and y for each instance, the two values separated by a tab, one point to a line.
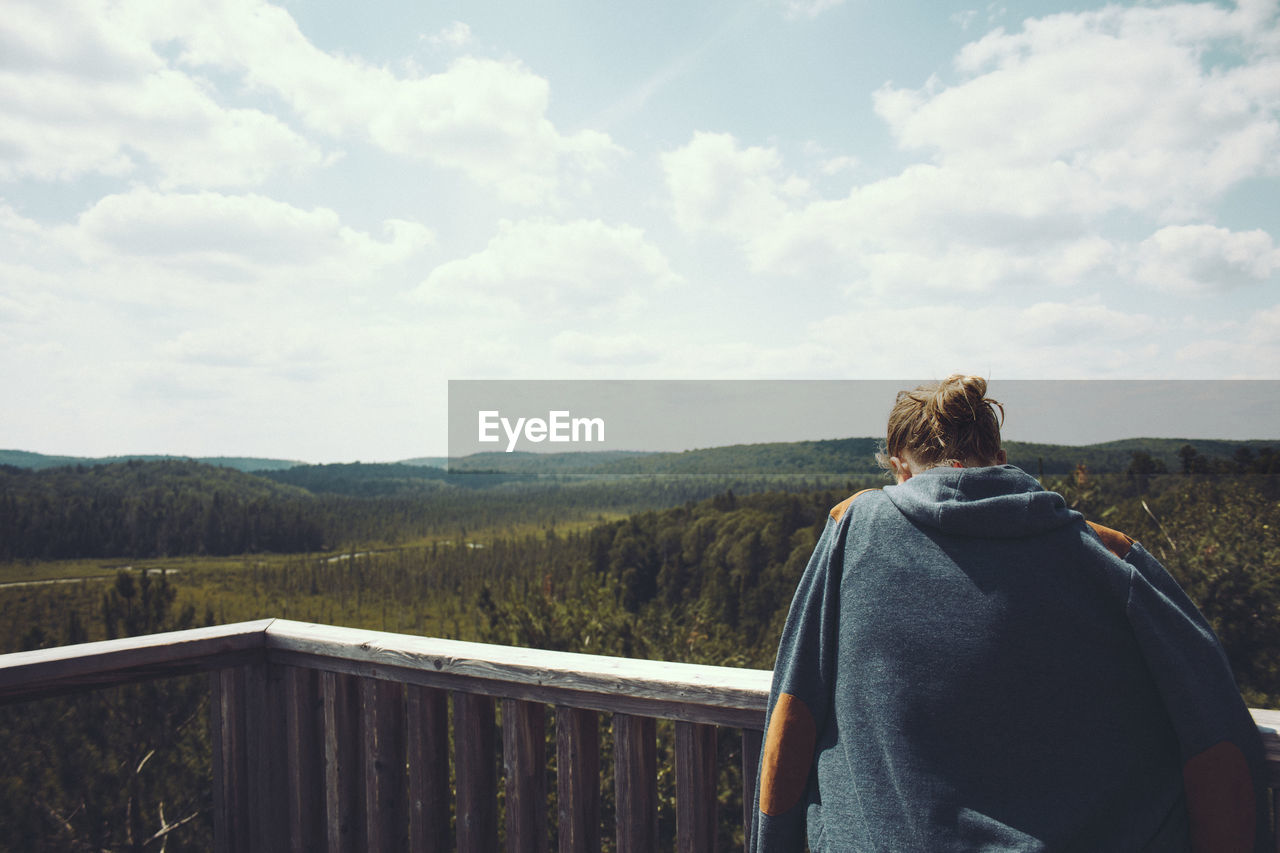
698	568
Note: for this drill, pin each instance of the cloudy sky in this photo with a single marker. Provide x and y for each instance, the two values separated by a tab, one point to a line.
243	228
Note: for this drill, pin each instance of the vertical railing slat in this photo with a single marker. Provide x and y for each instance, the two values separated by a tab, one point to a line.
230	787
427	737
751	740
695	788
343	770
265	744
476	768
382	728
635	773
578	779
524	755
304	765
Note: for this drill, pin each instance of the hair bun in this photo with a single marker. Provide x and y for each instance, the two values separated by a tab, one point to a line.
958	398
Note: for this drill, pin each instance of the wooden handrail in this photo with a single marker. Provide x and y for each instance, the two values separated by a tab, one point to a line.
715	695
106	663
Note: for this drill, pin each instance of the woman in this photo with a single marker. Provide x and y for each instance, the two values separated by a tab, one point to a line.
968	665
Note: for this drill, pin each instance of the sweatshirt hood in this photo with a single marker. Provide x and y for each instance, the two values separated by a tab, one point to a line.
1001	501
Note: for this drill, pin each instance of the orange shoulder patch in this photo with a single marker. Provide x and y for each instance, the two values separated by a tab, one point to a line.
787	755
1117	543
1220	800
838	511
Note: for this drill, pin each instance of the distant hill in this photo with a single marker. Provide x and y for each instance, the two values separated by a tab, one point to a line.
580	462
844	456
377	479
142	508
427	461
38	461
1114	456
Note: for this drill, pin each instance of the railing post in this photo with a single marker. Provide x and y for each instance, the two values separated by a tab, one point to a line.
695	788
427	737
476	768
524	755
265	745
382	727
230	768
578	779
304	768
343	771
635	773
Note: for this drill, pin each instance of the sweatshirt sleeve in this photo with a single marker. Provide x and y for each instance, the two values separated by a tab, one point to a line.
1222	762
799	699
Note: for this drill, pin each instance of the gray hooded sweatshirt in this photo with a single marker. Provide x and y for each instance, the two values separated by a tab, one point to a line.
969	666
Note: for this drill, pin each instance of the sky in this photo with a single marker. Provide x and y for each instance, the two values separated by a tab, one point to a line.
233	227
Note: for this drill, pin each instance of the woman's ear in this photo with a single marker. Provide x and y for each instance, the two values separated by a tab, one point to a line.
901	471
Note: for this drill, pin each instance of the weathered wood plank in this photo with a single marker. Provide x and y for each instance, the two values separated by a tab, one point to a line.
382	730
692	710
265	746
578	779
343	765
655	681
92	666
695	788
304	767
524	757
635	770
230	761
475	764
751	741
427	736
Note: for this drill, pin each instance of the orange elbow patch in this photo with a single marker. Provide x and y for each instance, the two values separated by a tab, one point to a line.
1117	543
787	755
1220	800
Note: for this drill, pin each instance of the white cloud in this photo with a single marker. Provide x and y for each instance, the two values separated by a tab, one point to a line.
1204	258
250	231
1045	340
90	88
486	118
82	94
1248	349
614	351
456	35
1122	98
927	228
717	186
583	268
1049	134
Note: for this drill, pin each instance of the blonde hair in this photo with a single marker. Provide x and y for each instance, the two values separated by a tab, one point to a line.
944	423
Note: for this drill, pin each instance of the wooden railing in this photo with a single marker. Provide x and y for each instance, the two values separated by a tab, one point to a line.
338	739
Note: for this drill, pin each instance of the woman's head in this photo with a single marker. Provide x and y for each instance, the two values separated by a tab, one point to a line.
952	422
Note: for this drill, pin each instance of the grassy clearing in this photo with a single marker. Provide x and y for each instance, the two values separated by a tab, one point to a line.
47	571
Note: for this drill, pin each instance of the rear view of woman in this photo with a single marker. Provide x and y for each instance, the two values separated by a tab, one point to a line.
968	665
